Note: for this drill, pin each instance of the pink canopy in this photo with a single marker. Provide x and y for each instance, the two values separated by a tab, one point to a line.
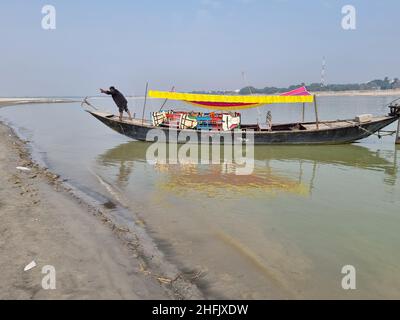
302	91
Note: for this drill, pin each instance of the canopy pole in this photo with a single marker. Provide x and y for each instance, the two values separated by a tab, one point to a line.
316	111
145	101
304	111
166	100
398	132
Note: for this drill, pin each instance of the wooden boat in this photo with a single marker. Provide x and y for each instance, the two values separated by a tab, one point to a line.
300	133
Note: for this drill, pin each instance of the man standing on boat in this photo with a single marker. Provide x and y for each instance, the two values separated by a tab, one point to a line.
119	100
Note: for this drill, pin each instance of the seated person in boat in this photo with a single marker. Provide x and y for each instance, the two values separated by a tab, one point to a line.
119	100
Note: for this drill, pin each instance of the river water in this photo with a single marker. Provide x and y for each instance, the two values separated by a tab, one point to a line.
285	231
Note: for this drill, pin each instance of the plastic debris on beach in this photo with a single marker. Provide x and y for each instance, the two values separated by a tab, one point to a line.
30	266
23	169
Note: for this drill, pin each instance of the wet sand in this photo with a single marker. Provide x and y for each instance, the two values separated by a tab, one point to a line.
43	221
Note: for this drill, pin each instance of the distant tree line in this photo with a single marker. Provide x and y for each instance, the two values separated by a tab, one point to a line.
384	84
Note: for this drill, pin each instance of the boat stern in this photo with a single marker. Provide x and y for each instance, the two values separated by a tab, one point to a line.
394	110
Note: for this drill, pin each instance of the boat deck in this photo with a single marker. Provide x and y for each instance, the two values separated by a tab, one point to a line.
328	125
328	132
323	125
309	126
115	118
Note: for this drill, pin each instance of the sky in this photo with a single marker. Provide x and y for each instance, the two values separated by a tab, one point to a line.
192	44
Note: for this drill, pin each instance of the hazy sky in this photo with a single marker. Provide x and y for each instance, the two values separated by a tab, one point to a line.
192	44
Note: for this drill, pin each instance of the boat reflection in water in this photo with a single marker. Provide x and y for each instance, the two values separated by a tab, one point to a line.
216	179
281	232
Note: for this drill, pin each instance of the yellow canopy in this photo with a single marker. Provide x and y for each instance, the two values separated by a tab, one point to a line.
194	98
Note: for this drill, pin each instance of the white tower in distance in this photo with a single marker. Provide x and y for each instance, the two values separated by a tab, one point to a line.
323	72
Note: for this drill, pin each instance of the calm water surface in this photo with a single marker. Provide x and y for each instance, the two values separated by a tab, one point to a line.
285	231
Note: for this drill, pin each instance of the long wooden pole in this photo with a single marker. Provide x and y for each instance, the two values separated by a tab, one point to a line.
165	101
304	111
145	101
398	132
316	112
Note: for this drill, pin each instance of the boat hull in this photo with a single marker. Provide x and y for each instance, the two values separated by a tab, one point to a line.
333	135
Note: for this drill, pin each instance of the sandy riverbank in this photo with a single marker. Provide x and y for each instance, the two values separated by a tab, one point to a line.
371	93
15	101
43	221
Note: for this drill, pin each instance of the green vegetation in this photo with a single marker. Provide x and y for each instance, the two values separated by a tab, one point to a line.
384	84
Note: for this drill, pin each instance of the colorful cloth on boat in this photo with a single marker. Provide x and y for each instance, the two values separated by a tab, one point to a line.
188	122
174	119
159	118
230	122
196	120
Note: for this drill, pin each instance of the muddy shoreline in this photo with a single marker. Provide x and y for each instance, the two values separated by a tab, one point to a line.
46	220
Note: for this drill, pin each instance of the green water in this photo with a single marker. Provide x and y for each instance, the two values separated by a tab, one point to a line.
285	231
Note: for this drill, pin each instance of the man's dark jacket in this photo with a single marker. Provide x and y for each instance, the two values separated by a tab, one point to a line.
118	98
